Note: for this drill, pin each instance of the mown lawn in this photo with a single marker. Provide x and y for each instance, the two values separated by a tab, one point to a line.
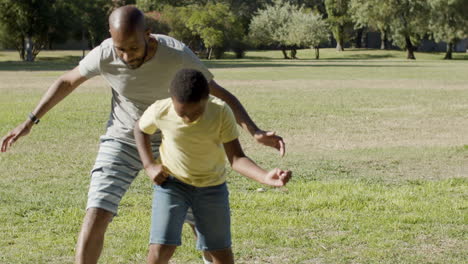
378	146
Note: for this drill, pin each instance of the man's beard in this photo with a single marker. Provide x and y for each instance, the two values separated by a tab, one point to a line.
140	60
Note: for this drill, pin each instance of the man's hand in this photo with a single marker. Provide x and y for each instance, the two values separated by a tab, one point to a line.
277	177
156	173
270	139
15	134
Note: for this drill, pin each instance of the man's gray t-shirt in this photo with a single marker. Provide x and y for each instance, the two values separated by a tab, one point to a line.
134	90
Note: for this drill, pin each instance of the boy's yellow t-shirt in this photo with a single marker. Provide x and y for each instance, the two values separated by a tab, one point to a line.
192	152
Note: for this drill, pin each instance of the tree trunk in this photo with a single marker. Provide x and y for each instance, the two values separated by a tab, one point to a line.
29	49
21	51
383	40
359	38
284	53
339	46
448	54
317	53
210	51
339	36
293	53
365	39
409	49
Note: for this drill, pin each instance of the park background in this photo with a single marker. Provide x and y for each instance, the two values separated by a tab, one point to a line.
377	140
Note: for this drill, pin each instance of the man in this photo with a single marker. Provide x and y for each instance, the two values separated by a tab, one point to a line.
139	67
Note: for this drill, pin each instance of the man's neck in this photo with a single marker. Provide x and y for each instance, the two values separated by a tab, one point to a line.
152	47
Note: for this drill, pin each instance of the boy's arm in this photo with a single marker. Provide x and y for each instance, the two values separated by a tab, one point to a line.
143	142
267	138
245	166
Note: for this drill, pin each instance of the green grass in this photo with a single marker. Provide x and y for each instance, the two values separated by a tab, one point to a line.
378	146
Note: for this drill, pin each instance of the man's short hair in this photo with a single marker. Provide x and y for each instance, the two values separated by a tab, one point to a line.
189	86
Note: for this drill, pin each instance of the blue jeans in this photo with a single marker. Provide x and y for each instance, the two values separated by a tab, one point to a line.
210	207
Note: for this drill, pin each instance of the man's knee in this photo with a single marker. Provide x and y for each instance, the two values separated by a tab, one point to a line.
97	219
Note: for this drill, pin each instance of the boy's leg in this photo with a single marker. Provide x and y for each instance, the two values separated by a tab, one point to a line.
160	254
212	222
223	256
170	203
117	164
190	220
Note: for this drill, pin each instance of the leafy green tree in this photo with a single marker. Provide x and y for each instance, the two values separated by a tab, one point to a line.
176	18
147	5
26	23
317	6
155	24
216	25
271	25
373	14
242	9
449	22
308	30
340	21
159	5
409	24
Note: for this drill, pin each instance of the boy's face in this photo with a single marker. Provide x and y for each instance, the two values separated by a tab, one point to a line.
189	112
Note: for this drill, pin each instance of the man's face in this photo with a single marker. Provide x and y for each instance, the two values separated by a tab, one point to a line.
130	47
189	112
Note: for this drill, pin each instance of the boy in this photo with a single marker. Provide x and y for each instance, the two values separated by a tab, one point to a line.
198	131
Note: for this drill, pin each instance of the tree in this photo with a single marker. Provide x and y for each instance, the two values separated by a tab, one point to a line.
409	24
26	23
216	26
177	20
159	5
155	24
308	30
242	9
374	14
339	20
449	22
271	25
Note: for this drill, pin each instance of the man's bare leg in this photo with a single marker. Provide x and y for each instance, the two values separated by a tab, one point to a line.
91	238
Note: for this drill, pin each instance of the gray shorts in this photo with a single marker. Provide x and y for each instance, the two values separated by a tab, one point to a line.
117	164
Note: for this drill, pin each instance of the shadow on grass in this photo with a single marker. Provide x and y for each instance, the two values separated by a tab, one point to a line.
243	64
69	62
42	64
364	57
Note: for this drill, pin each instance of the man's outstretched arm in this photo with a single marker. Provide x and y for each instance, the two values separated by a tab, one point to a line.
62	87
267	138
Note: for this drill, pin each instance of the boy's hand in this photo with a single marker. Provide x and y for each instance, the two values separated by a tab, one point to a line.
156	173
277	177
269	138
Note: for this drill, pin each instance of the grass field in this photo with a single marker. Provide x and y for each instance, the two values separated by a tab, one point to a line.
378	146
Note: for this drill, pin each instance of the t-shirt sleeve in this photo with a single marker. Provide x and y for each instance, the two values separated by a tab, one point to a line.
229	130
147	121
191	61
90	64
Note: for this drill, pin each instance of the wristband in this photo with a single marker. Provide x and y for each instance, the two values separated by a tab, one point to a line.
33	118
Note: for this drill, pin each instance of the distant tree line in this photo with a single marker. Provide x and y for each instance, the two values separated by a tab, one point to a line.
212	27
